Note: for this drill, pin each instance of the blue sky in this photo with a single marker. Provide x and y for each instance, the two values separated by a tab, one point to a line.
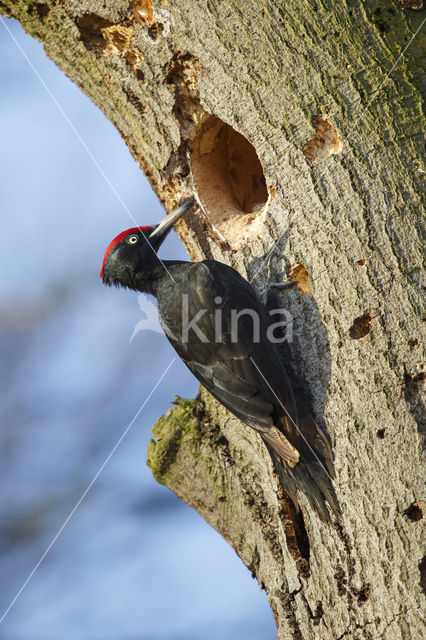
134	561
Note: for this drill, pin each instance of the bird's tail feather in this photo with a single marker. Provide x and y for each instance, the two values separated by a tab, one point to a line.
313	479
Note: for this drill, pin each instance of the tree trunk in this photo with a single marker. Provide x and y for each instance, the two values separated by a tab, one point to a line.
219	99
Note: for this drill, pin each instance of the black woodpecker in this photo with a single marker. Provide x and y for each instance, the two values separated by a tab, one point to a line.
237	362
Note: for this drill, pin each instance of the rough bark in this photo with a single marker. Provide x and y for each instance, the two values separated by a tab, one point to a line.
353	220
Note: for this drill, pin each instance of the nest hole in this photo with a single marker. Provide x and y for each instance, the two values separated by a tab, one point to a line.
229	180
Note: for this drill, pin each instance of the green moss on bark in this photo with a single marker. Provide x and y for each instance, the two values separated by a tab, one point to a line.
180	426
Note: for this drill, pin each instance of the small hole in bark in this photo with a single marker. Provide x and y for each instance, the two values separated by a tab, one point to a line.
363	595
316	618
155	31
414	512
414	389
107	39
341	580
381	433
302	536
41	9
229	179
90	26
415	344
422	569
362	325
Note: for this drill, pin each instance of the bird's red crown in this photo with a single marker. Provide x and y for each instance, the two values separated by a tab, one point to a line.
117	240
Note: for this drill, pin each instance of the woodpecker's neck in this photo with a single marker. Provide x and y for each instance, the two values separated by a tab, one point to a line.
166	272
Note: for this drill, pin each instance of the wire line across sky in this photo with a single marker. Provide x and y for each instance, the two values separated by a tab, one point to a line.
89	486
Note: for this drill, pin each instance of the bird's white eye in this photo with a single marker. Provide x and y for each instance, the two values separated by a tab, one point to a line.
133	239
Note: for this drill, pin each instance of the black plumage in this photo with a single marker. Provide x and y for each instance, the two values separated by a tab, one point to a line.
218	326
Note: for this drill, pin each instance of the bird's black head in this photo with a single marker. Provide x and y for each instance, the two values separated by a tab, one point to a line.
133	252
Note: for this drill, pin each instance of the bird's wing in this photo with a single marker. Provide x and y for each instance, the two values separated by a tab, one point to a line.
235	361
243	399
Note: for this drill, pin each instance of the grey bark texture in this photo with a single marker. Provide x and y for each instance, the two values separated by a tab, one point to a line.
353	220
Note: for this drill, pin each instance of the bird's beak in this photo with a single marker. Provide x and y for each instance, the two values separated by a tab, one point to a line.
162	228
